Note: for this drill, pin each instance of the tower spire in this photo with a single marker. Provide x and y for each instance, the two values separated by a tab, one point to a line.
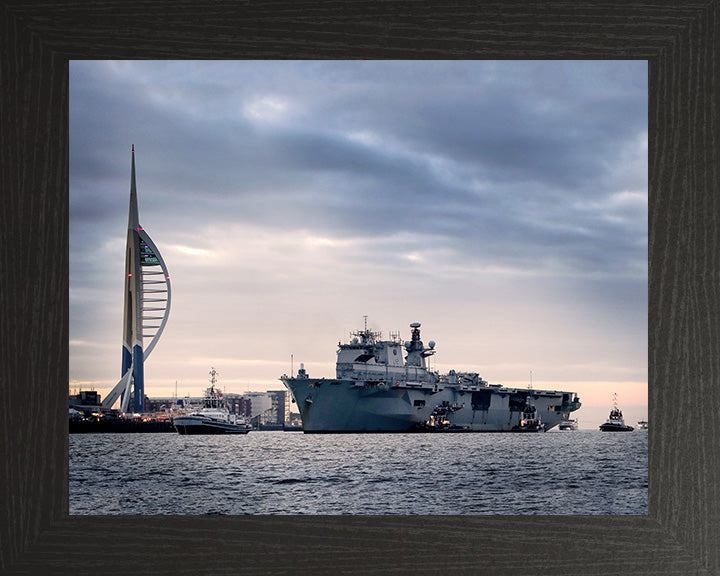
133	218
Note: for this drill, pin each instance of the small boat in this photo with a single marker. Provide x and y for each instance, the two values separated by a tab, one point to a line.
568	424
530	421
439	419
615	422
642	425
213	417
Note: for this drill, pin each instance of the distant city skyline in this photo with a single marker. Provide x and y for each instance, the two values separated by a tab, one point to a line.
501	204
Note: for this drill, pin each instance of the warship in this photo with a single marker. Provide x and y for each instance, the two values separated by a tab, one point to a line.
376	389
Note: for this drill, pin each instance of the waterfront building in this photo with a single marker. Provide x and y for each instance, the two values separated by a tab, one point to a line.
268	407
85	401
236	403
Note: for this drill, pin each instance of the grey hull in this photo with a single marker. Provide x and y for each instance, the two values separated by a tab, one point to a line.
335	405
192	425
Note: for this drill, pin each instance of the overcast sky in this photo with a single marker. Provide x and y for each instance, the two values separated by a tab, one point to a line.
501	204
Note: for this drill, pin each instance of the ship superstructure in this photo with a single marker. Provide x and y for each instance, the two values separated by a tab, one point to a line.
386	386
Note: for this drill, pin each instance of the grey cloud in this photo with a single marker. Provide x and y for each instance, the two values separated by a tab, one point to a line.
480	164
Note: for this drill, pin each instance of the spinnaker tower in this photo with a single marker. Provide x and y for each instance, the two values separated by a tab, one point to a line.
146	310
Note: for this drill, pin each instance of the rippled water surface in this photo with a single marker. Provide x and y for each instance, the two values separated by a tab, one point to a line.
580	472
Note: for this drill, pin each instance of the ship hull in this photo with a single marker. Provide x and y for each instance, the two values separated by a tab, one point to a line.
189	425
615	428
353	406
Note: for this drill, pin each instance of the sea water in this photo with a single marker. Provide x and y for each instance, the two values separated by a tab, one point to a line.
570	472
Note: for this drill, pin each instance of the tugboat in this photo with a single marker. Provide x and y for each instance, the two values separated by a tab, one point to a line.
530	421
642	424
213	418
568	424
439	419
615	422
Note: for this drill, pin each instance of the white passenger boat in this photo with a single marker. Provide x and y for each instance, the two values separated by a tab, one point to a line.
213	417
569	424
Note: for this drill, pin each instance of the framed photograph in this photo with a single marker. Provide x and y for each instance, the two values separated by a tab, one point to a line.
674	532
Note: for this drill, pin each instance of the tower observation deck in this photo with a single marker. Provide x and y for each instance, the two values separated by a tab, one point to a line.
146	310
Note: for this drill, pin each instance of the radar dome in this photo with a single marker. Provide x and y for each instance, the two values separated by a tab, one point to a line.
354	340
408	345
431	343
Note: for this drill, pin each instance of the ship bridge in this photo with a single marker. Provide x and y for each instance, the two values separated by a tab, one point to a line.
368	357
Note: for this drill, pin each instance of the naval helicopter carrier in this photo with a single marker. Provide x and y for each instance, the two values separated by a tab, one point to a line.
387	386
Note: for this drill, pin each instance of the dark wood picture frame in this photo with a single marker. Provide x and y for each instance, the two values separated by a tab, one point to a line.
681	533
